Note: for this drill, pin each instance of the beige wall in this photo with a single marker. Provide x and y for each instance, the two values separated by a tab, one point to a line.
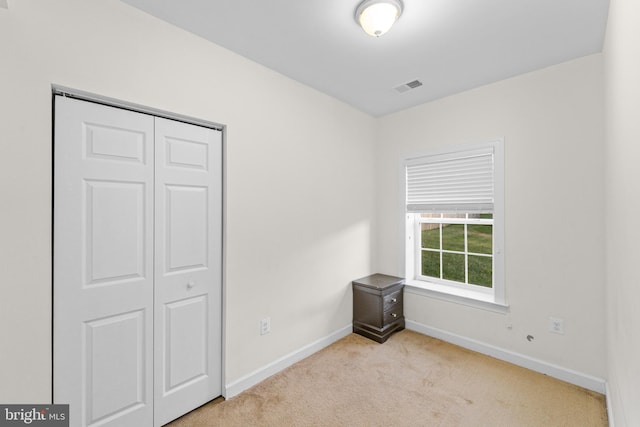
622	178
299	178
552	124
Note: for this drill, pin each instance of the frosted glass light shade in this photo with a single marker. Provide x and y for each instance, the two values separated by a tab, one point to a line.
377	16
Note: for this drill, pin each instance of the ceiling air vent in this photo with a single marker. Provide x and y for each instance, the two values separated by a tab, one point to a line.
408	86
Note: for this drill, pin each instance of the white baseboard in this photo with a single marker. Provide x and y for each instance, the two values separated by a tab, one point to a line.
580	379
265	372
609	405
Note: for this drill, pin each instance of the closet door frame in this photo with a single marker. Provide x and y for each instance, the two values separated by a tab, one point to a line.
59	90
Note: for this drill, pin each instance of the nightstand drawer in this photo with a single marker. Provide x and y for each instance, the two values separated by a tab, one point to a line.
392	315
392	300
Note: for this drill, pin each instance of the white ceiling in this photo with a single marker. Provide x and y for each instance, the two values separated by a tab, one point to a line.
449	45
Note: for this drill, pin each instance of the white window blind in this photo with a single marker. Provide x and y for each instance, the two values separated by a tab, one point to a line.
452	182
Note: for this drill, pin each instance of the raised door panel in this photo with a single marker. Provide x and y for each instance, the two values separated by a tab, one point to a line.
187	224
114	143
184	153
114	366
114	230
186	354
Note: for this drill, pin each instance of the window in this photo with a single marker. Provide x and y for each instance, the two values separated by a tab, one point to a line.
456	247
454	212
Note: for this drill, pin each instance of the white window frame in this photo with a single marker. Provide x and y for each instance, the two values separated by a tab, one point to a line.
493	298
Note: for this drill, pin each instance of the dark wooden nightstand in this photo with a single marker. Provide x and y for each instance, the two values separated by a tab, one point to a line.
377	306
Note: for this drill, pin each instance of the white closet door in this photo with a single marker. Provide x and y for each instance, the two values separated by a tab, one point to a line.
103	264
188	268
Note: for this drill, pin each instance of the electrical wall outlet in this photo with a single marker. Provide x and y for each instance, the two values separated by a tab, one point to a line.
265	326
556	325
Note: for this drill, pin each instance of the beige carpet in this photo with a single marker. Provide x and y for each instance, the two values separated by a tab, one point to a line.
411	380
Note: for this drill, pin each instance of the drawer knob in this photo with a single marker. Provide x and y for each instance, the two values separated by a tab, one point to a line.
394	300
394	315
190	285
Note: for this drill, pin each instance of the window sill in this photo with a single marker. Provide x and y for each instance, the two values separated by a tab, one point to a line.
452	294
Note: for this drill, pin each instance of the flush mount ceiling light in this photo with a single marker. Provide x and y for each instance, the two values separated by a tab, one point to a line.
377	16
